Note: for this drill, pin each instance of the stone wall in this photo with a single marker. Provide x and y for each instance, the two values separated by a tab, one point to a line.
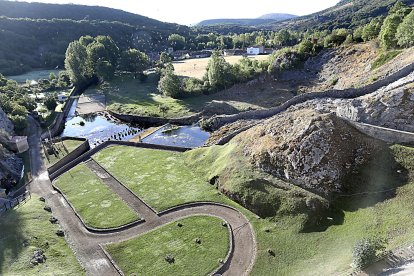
84	147
385	134
58	124
156	121
216	122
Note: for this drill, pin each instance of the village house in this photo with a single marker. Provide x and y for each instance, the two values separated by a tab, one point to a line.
255	50
233	52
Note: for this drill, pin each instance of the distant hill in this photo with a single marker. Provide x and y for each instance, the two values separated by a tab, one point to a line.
36	35
345	14
277	16
264	19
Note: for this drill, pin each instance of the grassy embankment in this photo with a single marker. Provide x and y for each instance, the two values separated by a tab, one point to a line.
27	228
63	148
326	252
145	255
96	203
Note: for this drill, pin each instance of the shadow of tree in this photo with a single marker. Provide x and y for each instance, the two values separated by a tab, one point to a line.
12	239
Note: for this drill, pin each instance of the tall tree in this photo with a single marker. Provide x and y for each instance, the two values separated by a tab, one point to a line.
177	41
405	33
133	61
76	63
219	72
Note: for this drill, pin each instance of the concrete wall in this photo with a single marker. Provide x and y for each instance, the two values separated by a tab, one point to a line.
84	157
58	125
385	134
216	122
156	121
84	147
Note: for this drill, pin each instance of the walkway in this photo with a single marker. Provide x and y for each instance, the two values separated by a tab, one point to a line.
87	245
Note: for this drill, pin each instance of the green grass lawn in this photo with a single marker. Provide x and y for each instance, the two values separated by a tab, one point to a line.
327	252
160	178
96	203
27	228
145	255
63	148
131	96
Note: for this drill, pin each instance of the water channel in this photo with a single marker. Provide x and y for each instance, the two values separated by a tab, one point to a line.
101	127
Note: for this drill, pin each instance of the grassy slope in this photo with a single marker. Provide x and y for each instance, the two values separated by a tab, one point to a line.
144	255
159	177
318	253
97	204
70	146
30	224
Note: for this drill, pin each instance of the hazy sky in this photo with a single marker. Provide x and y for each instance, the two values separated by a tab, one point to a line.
193	11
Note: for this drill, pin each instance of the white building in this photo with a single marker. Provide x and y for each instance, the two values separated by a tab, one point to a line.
19	143
255	50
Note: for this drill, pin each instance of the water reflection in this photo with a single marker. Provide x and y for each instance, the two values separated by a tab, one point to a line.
179	136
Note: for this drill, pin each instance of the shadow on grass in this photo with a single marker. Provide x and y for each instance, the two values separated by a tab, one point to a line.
367	186
12	239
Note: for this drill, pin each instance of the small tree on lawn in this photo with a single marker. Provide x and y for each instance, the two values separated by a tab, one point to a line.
366	250
170	84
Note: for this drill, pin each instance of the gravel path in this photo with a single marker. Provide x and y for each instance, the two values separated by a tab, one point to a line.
86	245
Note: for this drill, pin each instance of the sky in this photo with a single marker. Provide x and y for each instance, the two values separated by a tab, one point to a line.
188	12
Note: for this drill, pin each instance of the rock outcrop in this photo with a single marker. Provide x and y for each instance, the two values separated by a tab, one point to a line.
5	123
313	150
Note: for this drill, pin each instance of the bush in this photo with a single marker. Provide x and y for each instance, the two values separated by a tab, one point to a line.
405	34
50	102
170	85
366	250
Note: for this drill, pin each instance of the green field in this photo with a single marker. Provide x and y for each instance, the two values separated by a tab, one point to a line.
145	254
160	178
327	252
96	203
62	148
27	228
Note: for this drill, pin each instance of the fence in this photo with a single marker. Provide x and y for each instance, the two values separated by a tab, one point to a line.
15	202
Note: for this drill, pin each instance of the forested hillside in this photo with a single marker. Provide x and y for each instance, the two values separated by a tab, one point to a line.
34	35
346	14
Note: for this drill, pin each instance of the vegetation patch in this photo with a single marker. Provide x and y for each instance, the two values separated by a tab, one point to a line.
27	229
384	58
97	204
160	178
60	150
195	248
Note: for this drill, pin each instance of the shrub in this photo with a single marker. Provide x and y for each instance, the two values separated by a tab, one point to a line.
366	250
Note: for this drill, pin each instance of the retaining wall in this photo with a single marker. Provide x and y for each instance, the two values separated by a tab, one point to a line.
58	124
61	170
218	121
81	149
385	134
156	121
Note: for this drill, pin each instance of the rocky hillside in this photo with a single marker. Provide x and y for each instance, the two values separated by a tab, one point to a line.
310	149
10	164
345	67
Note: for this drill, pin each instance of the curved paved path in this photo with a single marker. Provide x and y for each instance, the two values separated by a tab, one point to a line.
86	245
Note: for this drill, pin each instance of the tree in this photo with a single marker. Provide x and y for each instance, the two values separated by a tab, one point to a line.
170	84
405	34
366	250
371	30
165	58
177	41
389	28
133	61
75	62
219	72
50	102
52	76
